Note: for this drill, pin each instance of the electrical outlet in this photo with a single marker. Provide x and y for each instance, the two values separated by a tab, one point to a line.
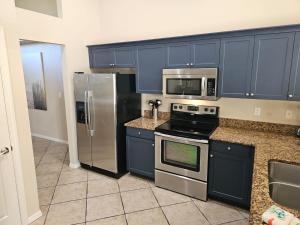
257	111
288	114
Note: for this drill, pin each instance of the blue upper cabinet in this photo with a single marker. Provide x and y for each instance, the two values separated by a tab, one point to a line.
204	53
125	57
112	57
294	88
102	57
151	60
271	65
235	66
179	55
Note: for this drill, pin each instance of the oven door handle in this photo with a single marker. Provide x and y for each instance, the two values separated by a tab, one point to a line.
182	138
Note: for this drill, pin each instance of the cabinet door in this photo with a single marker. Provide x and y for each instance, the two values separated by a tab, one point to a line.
151	60
125	57
230	173
294	88
206	53
140	156
102	57
179	55
235	67
272	64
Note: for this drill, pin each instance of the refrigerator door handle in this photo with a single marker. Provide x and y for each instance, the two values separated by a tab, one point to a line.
91	119
86	111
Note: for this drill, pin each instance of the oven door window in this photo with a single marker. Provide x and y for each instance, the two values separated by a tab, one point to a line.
181	155
183	86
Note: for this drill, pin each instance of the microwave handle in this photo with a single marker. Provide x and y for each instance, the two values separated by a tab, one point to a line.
203	86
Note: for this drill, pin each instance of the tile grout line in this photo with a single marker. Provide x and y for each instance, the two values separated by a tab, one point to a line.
53	192
200	211
160	206
86	199
46	149
122	202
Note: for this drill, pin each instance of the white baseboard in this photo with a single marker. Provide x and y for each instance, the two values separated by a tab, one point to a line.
75	165
50	138
34	217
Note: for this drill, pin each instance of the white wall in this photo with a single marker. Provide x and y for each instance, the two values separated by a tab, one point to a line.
271	111
52	122
143	19
45	6
78	27
124	20
21	140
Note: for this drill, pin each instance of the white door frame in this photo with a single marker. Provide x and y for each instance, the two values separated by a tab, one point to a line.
12	127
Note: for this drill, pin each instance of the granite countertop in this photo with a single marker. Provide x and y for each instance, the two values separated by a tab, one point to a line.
145	123
268	146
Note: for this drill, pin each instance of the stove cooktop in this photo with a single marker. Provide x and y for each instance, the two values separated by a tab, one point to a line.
191	121
187	129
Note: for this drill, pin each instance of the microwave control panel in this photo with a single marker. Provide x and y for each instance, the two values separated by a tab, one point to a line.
211	87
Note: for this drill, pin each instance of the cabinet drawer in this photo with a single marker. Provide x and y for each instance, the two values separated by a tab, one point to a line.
230	148
141	133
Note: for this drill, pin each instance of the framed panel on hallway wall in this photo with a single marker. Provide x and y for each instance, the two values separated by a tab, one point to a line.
33	68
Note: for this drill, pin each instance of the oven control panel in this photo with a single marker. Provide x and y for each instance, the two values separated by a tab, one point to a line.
195	109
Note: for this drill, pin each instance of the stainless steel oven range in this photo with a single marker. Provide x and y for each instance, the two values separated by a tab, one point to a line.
181	149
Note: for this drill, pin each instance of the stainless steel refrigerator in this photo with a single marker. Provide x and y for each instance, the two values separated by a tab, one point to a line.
104	102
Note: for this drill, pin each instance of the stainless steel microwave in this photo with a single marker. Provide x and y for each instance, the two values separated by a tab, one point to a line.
190	83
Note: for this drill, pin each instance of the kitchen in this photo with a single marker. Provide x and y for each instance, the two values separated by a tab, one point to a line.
175	112
188	148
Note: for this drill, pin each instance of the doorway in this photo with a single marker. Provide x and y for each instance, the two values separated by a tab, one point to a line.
42	67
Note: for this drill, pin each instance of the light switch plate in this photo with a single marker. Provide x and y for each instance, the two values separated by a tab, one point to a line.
288	114
257	111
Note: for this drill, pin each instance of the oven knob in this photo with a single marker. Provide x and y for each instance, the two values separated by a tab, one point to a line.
180	107
212	110
175	107
205	109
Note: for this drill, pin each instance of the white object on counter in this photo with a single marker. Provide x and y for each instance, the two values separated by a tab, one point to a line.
295	221
155	113
277	216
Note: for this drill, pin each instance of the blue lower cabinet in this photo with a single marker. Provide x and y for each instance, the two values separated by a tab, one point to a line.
140	156
230	173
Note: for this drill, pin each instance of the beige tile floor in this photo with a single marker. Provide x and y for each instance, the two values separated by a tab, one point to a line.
76	196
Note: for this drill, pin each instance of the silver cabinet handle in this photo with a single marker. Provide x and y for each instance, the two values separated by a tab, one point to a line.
228	148
211	155
139	133
187	64
181	138
152	145
247	94
4	151
191	64
252	94
290	96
